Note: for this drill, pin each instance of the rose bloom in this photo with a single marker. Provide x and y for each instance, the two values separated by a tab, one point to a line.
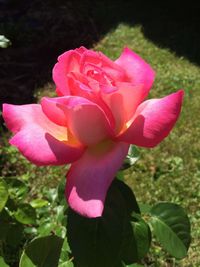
100	110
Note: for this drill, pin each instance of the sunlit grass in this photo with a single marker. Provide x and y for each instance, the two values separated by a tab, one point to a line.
171	171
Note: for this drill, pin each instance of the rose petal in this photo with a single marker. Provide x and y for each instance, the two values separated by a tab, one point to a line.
85	119
79	85
90	177
88	92
123	102
81	50
99	60
38	139
67	62
138	71
58	92
54	109
153	120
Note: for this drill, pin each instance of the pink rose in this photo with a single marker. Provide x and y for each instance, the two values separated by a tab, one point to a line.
100	111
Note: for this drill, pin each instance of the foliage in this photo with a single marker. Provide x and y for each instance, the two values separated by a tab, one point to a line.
23	220
4	42
36	230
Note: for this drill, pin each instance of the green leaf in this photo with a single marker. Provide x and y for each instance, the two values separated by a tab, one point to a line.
136	233
4	42
44	211
17	189
5	220
45	228
145	208
133	265
60	230
51	194
128	197
66	264
98	242
25	214
131	158
138	240
120	175
3	194
42	252
30	231
171	227
10	230
128	251
15	234
61	190
64	255
59	213
142	235
39	203
2	262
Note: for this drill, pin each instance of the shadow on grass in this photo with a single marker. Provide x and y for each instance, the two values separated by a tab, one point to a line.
41	30
173	25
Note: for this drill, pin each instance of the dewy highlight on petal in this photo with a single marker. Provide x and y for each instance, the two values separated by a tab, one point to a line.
100	110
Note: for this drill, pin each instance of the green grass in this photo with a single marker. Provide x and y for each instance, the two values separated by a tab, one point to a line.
169	172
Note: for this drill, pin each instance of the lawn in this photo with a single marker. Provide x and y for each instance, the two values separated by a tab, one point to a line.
169	172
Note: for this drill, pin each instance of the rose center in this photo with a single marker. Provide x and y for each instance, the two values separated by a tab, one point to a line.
101	77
